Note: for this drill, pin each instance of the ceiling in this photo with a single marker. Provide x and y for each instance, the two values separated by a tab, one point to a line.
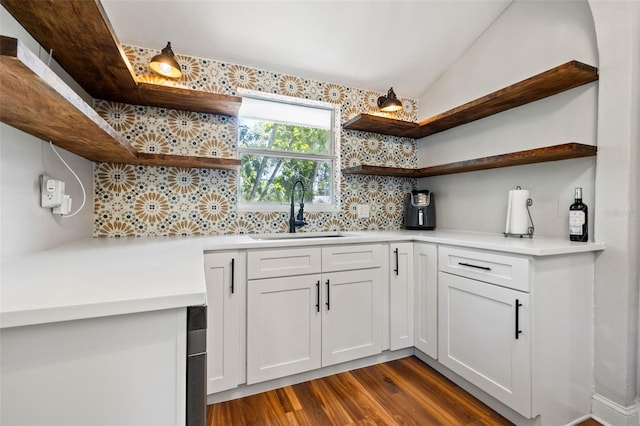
371	44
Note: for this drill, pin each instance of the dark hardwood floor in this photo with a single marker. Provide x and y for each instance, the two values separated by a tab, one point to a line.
401	392
590	422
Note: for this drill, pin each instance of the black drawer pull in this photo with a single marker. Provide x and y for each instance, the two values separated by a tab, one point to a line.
518	331
233	271
318	296
328	303
484	268
397	263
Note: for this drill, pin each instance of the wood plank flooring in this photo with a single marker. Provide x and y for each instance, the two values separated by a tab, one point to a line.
590	422
401	392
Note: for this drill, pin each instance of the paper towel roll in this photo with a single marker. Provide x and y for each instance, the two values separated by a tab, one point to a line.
507	228
517	216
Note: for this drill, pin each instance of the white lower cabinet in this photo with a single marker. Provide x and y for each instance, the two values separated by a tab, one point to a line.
304	322
519	328
484	322
485	337
401	294
283	326
351	315
425	272
226	325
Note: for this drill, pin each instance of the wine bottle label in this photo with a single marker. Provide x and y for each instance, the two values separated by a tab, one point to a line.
576	220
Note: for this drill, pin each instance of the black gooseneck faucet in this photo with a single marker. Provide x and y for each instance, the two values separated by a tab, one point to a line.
298	220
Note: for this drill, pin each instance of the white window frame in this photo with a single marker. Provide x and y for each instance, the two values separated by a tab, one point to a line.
333	156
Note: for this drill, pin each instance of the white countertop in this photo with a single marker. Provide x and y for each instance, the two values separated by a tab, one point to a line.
111	276
536	246
101	277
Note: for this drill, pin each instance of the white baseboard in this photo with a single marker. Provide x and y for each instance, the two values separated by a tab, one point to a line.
580	420
611	413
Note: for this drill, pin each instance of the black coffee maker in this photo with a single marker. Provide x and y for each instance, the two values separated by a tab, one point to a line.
419	210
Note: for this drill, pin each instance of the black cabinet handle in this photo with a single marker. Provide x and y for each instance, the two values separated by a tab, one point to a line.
233	270
397	264
518	331
328	296
485	268
318	296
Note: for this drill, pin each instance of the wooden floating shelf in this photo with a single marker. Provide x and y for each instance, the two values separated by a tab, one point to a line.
80	34
35	100
189	100
378	124
168	160
538	155
556	80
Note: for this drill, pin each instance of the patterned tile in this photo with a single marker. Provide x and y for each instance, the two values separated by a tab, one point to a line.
157	201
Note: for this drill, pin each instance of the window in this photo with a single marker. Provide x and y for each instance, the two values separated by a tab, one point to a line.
280	140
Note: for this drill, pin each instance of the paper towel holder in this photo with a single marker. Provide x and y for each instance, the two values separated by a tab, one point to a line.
531	228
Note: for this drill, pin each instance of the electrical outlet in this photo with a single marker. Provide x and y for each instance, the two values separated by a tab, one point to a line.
363	210
51	191
64	208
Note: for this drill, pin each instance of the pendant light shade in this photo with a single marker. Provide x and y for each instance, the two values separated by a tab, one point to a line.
390	102
165	63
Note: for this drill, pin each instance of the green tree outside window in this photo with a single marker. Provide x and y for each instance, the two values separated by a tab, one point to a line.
274	155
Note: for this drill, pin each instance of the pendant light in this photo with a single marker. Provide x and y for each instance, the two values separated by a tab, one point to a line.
165	63
390	102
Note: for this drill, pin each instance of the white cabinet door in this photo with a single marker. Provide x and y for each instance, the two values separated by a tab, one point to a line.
485	337
352	315
425	263
283	326
226	282
401	287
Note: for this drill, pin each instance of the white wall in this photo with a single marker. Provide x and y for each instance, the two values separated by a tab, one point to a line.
528	38
477	201
24	226
636	188
616	292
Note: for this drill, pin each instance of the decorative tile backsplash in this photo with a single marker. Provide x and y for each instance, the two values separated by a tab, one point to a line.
154	201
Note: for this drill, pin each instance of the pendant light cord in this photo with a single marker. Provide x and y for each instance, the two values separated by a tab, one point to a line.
84	194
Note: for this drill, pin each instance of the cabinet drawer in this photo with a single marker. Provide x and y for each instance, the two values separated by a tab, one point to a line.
283	262
504	270
347	257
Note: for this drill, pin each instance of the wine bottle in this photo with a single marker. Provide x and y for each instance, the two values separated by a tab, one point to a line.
578	219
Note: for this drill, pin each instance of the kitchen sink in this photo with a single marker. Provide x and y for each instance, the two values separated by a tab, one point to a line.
298	236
